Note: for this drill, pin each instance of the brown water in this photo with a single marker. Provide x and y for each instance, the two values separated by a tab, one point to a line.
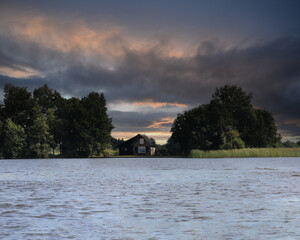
150	199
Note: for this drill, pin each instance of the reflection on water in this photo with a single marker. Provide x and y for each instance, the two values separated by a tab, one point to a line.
150	199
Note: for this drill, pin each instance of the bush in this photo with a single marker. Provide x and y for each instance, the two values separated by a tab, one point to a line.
233	140
161	150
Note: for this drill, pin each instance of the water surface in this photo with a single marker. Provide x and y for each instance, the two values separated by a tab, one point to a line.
150	198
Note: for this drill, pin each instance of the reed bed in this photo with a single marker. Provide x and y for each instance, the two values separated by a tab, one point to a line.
247	153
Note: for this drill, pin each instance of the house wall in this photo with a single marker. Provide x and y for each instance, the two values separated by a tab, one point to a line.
152	151
128	150
125	150
138	144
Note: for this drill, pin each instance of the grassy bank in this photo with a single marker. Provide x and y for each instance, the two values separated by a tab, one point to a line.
247	153
111	152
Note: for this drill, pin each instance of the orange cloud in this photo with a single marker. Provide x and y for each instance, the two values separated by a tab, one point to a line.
132	106
104	39
67	36
20	72
161	123
160	137
153	104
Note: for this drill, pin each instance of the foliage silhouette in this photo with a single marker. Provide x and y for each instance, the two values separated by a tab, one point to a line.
33	125
229	121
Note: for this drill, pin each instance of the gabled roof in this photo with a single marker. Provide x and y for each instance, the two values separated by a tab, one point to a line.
132	141
148	140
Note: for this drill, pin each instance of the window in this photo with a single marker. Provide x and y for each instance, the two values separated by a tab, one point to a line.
142	149
141	140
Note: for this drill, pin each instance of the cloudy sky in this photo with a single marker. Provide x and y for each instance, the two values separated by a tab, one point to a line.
154	59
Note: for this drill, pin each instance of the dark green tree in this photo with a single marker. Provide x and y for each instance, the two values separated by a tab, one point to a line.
13	140
38	138
173	147
116	142
96	136
182	132
19	105
1	137
187	130
233	140
69	113
203	127
239	112
264	133
85	126
48	102
54	128
161	150
46	98
2	117
78	127
228	121
289	144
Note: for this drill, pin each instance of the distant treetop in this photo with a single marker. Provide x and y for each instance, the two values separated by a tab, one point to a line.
228	121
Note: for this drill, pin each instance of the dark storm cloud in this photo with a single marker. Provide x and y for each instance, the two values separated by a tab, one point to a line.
271	71
135	121
16	51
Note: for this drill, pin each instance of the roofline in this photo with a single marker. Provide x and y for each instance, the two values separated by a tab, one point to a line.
141	135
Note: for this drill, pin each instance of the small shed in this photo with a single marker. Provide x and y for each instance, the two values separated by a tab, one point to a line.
138	145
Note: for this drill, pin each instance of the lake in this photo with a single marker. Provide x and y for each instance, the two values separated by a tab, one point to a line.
135	198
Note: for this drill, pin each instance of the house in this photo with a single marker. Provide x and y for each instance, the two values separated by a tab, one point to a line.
138	145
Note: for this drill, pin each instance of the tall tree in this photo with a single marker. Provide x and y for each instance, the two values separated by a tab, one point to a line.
228	121
54	124
2	117
14	136
48	102
98	123
173	147
265	132
1	137
2	120
46	98
39	138
19	105
240	113
79	127
69	114
190	130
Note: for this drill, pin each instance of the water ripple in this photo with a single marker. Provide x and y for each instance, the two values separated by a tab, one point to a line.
150	199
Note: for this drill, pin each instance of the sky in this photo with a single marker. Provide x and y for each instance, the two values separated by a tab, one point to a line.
154	59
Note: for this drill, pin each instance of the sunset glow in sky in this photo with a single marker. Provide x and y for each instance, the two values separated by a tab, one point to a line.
154	59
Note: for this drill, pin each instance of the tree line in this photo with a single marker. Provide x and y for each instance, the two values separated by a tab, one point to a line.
228	121
42	123
36	124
